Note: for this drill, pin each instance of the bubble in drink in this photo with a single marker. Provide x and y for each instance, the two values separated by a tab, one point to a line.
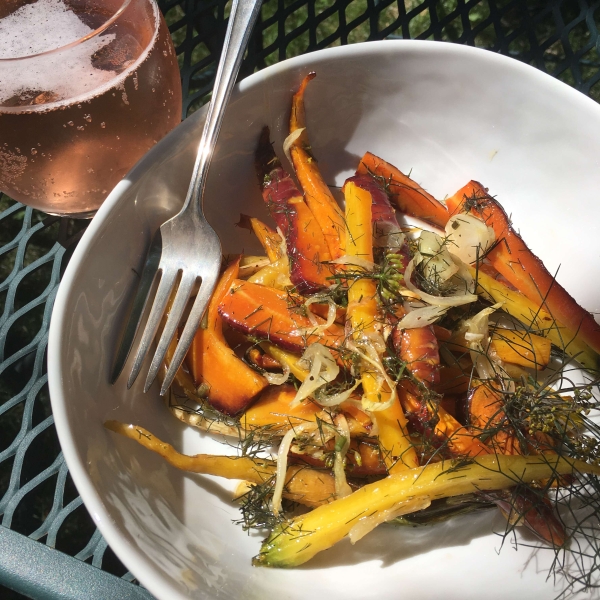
42	98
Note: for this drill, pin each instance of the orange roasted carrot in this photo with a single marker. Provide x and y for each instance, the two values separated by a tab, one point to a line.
274	407
486	413
321	202
269	314
531	506
232	384
521	267
409	196
457	438
419	349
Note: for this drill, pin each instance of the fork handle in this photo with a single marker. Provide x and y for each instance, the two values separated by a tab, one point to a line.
239	27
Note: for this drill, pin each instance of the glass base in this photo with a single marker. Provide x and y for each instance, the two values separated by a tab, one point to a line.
84	215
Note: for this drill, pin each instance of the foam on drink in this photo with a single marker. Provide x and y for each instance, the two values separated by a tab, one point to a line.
40	27
119	93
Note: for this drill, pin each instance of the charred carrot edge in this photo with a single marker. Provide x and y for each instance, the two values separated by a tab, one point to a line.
318	197
459	440
396	448
409	196
522	268
306	246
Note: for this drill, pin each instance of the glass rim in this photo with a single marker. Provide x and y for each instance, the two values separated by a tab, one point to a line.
81	40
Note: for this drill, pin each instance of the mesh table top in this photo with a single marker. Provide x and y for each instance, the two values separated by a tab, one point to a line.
49	546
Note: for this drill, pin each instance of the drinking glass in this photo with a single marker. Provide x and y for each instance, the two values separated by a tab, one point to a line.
86	88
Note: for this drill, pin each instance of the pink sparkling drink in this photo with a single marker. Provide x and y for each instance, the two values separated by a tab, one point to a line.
86	88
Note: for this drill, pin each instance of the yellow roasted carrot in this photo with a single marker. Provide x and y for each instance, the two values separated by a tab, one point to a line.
537	319
298	540
269	239
307	486
321	202
521	348
285	358
362	311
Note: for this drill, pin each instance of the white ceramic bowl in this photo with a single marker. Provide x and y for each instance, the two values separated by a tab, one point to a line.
448	113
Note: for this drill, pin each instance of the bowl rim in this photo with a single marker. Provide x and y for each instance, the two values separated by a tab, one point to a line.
131	555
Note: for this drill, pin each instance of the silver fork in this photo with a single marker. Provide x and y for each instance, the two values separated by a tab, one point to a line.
186	248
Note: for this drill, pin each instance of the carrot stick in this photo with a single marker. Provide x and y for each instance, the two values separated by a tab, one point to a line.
266	313
306	246
522	268
232	383
303	485
269	239
318	196
396	447
536	319
409	197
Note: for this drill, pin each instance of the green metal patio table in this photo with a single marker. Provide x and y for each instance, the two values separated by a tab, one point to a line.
49	545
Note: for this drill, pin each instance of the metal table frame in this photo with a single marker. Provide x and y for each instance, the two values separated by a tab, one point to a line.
49	547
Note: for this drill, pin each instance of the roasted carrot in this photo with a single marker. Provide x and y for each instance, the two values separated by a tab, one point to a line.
536	319
306	246
273	408
521	348
363	314
270	314
524	505
363	458
514	260
486	413
232	384
270	240
303	485
409	197
321	202
387	232
419	350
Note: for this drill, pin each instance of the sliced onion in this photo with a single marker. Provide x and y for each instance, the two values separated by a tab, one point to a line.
421	317
323	370
456	300
316	328
437	263
464	273
338	398
282	455
278	378
289	140
342	489
368	523
355	261
366	350
469	237
477	338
